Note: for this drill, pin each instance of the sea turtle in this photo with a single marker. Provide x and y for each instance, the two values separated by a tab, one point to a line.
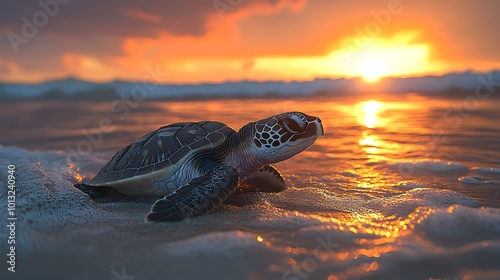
195	166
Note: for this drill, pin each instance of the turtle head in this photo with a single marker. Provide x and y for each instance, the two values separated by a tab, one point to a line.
282	136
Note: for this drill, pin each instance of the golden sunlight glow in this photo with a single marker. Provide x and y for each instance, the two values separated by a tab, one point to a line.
371	108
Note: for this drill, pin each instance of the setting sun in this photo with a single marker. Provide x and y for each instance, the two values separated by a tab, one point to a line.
372	71
394	56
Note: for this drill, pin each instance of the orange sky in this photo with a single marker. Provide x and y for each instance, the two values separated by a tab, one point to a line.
213	41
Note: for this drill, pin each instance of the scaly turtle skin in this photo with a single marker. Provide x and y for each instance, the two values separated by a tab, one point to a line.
195	166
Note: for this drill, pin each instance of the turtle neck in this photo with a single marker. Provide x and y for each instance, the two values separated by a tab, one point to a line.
241	151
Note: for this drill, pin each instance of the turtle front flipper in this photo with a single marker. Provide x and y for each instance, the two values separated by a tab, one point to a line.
267	179
198	197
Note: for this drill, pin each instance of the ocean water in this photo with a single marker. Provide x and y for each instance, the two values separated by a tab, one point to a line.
401	187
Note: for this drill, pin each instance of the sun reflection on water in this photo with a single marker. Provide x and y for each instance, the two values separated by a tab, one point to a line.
373	235
372	147
378	234
369	143
371	109
78	178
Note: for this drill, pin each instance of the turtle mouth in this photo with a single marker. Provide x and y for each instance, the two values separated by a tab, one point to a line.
320	131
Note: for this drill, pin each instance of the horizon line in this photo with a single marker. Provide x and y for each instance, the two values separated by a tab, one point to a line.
69	78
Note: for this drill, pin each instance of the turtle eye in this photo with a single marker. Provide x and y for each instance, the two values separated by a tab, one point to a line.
292	125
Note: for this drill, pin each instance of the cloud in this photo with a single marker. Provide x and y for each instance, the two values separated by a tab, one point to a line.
120	18
100	29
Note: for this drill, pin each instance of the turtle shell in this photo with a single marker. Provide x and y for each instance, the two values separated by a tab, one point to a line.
145	165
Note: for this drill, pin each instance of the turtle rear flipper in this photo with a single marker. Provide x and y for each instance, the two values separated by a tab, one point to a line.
266	179
198	197
93	191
